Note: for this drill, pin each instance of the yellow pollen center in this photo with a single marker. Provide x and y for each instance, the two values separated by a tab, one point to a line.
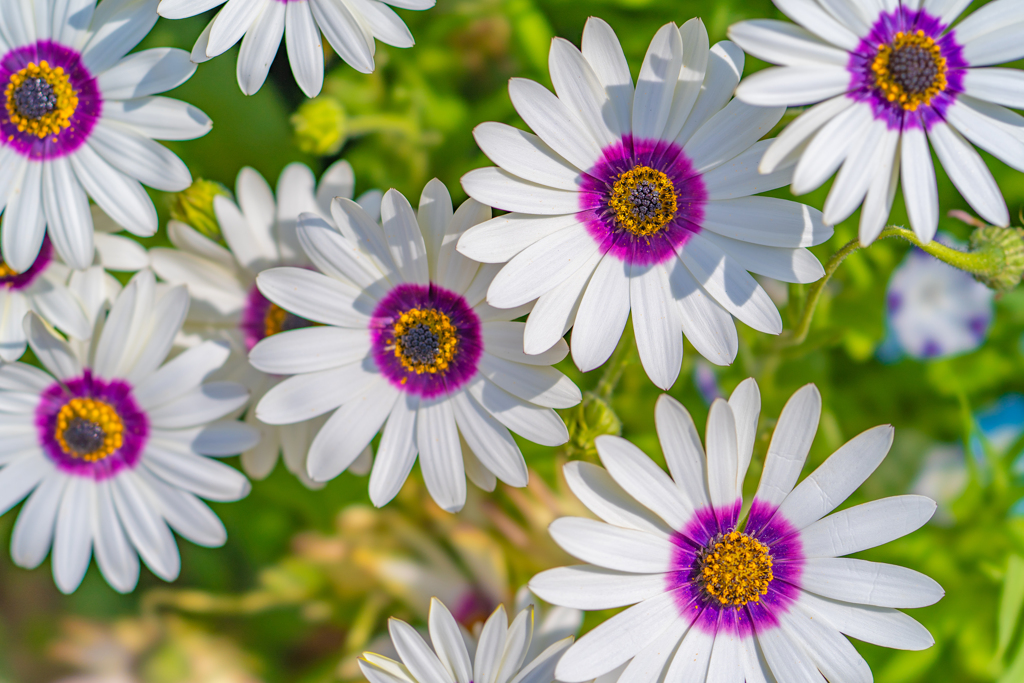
643	201
88	429
425	340
58	87
911	70
279	320
736	569
6	271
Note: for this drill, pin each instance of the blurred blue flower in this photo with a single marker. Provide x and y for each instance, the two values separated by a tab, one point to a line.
934	310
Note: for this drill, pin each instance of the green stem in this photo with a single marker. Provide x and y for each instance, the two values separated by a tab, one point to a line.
616	365
980	262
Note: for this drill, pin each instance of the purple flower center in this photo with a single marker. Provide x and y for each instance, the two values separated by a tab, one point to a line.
426	339
12	279
90	427
907	69
261	319
51	100
642	200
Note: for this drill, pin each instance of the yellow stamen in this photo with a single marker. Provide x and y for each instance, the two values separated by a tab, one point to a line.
643	201
6	271
736	569
438	324
59	117
898	67
94	415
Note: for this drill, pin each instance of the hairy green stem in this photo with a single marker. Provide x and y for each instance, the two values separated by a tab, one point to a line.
985	261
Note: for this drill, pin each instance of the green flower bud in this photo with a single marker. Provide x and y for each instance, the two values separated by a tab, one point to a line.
320	126
591	419
194	206
1006	247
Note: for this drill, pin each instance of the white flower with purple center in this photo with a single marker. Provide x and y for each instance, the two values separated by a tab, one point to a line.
499	654
47	288
639	200
79	121
350	26
110	446
259	233
935	310
722	596
406	341
888	77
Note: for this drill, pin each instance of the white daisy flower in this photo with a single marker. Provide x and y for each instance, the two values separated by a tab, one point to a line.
720	599
110	443
498	655
407	339
350	26
638	199
936	310
79	120
886	78
43	288
226	305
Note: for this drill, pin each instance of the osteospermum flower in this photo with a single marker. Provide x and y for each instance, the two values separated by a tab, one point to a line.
350	26
44	288
110	445
78	121
259	232
720	598
408	339
887	78
936	310
638	199
498	655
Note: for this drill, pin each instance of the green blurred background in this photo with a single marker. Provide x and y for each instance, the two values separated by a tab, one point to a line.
298	588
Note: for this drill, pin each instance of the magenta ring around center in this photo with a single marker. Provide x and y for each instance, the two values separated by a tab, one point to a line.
599	218
118	395
708	614
463	365
883	32
23	280
83	121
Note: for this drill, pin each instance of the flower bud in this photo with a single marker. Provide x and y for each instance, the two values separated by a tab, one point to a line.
194	206
320	126
591	419
1006	247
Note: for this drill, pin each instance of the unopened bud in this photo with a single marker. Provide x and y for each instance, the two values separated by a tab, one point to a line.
591	419
1006	247
320	126
194	206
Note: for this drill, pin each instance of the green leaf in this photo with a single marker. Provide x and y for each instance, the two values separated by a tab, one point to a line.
1010	603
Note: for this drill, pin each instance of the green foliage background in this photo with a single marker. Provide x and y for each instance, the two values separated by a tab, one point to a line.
411	120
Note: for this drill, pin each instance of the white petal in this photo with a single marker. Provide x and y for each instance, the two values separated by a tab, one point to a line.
454	271
979	122
655	86
504	340
358	226
919	189
831	653
160	118
116	252
690	662
745	402
119	26
555	311
1001	86
527	156
200	475
995	46
315	297
612	547
447	641
342	439
185	513
350	39
589	588
642	479
881	191
878	625
72	540
618	639
730	285
303	397
969	174
259	47
144	526
836	478
786	148
602	314
540	425
69	222
766	220
787	86
868	583
19	477
790	444
341	258
181	374
416	654
397	451
541	267
489	440
723	456
33	529
122	198
730	132
305	50
740	177
788	660
208	402
404	238
540	385
167	315
115	556
437	439
54	353
490	646
725	65
139	157
502	190
709	327
556	125
829	147
781	263
689	85
602	50
683	451
860	166
310	350
656	324
434	215
579	88
866	526
143	73
24	210
780	42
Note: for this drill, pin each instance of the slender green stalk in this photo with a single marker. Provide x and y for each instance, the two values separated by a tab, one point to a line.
616	365
986	261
